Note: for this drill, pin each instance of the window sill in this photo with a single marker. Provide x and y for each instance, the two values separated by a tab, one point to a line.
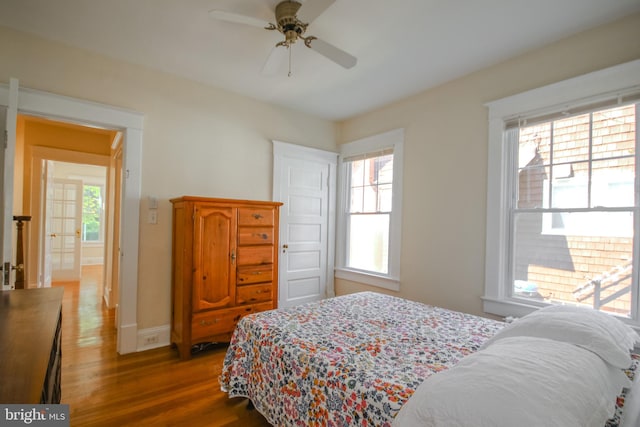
520	308
385	282
507	307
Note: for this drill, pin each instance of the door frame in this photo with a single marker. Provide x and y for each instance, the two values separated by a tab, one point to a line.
293	151
8	99
57	107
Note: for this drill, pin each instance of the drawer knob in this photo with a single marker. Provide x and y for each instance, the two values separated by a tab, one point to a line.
257	216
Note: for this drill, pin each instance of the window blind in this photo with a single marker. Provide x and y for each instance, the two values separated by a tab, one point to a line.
369	155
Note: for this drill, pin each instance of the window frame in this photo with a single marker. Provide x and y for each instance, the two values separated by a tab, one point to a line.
575	93
393	139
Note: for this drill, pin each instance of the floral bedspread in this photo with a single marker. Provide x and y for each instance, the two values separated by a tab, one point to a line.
352	360
620	401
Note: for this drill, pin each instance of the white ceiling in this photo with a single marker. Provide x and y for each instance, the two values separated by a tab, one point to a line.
403	46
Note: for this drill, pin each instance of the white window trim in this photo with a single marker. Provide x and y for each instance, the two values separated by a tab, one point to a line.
391	281
569	94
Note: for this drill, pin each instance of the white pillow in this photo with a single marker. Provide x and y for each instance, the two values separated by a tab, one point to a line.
519	381
621	333
580	327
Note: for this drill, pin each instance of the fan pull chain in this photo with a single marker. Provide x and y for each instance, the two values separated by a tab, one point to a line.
289	47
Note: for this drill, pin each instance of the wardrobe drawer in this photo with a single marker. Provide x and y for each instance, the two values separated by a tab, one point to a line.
216	322
255	255
255	235
254	274
255	216
252	294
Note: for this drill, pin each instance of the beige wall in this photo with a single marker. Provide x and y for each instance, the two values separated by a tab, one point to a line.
197	140
445	168
204	141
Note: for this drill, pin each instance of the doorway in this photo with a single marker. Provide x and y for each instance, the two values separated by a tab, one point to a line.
131	124
76	213
66	167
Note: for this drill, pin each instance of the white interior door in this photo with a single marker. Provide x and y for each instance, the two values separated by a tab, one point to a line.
65	225
304	182
8	120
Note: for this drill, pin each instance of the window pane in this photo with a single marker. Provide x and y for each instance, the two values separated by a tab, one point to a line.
356	199
535	144
369	242
385	198
531	186
384	169
613	182
586	261
614	132
69	193
357	173
370	194
569	191
571	139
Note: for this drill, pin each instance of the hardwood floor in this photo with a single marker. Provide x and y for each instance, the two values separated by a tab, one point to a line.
150	388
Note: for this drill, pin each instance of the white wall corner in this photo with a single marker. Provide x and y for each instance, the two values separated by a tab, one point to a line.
127	338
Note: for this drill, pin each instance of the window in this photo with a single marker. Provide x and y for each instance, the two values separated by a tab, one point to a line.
371	200
563	219
92	213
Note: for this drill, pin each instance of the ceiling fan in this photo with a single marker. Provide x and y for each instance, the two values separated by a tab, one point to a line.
292	19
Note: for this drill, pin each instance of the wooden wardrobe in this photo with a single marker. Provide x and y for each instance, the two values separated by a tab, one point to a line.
224	266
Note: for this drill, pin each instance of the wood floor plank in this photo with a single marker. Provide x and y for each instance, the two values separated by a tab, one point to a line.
150	388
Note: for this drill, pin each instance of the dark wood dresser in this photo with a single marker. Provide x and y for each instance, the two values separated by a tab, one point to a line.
30	345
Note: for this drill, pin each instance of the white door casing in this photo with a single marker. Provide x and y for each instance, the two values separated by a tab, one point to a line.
304	180
131	123
9	100
46	205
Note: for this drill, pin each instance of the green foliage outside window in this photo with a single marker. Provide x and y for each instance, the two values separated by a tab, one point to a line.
91	213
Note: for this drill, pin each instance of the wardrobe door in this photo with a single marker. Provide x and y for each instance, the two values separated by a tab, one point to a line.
214	246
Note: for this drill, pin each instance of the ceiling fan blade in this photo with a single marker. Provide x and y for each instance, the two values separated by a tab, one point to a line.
275	60
311	9
238	19
338	56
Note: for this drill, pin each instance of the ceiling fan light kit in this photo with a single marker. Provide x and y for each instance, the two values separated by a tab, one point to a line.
292	20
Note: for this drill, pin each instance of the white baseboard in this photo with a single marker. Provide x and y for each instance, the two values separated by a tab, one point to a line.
159	336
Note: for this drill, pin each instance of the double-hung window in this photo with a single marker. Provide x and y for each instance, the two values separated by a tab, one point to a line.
370	203
563	220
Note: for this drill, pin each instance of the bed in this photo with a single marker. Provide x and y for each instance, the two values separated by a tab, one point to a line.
369	359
